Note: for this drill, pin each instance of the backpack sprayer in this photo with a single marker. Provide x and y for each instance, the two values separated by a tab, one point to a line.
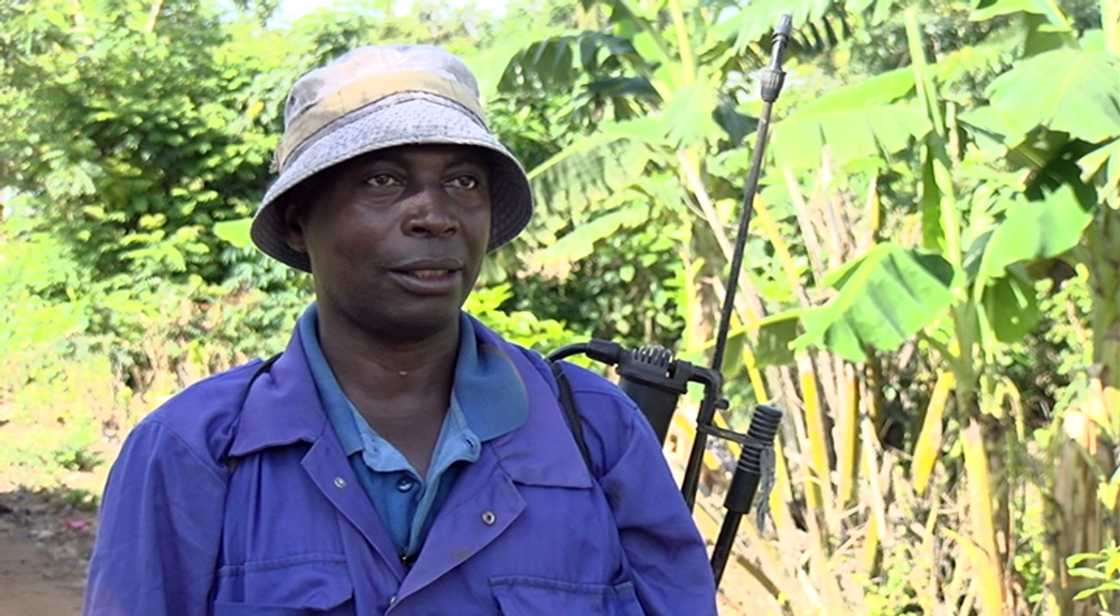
655	380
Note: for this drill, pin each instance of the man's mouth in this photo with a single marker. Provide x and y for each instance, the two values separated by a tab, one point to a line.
428	274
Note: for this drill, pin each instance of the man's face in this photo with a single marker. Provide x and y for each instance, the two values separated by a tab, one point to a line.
396	237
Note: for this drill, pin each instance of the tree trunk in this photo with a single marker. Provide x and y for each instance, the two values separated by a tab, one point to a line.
1086	452
1104	244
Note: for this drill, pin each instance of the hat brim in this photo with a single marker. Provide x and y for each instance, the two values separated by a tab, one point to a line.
403	119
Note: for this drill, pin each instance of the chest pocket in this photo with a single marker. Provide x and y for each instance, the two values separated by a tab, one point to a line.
302	586
531	596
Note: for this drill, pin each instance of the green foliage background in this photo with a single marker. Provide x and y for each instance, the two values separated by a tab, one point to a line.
940	206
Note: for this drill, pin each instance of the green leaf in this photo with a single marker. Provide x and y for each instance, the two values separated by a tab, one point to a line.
929	204
1068	90
1074	560
1112	564
557	258
1011	305
556	63
885	297
990	9
1085	594
981	60
988	128
489	64
758	17
880	9
775	334
689	115
1110	20
588	172
1085	572
1104	163
235	232
880	89
732	366
851	134
1036	230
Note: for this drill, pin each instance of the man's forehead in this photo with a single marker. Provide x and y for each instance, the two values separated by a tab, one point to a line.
427	154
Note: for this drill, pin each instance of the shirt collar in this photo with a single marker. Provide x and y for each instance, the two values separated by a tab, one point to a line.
283	407
542	452
337	406
487	386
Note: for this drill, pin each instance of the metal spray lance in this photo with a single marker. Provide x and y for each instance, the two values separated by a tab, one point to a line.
655	380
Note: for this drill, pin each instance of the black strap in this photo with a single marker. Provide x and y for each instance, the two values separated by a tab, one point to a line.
571	413
265	366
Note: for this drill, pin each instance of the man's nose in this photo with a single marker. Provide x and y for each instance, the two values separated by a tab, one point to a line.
430	213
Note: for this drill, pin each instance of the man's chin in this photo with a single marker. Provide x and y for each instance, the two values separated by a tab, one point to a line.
415	326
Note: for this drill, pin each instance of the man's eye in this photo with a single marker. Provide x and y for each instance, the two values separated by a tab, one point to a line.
466	182
382	180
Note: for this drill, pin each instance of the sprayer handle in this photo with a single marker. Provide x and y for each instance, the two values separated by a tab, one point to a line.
748	472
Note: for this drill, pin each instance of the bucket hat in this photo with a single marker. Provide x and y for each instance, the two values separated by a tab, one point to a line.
379	97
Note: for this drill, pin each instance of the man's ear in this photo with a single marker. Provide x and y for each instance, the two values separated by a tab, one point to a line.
294	226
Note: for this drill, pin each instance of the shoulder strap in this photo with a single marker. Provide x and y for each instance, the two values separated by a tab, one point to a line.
571	413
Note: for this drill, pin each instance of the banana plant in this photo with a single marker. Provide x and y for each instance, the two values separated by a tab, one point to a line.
1001	185
663	90
966	288
665	87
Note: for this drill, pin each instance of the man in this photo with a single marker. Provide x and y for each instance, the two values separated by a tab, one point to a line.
398	457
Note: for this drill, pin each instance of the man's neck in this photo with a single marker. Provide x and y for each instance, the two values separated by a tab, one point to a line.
390	380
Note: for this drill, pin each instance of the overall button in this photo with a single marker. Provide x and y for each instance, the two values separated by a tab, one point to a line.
488	518
404	484
339	482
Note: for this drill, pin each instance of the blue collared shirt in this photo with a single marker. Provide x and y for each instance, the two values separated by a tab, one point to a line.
405	501
234	499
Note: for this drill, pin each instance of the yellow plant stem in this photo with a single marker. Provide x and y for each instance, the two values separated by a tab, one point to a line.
928	446
758	385
877	525
817	465
782	493
769	228
684	47
871	452
847	442
869	553
873	213
985	556
813	249
987	581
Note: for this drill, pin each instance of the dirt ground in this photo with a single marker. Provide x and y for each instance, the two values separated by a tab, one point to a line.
45	540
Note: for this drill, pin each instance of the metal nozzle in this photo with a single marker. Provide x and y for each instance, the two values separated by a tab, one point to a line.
785	25
781	37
